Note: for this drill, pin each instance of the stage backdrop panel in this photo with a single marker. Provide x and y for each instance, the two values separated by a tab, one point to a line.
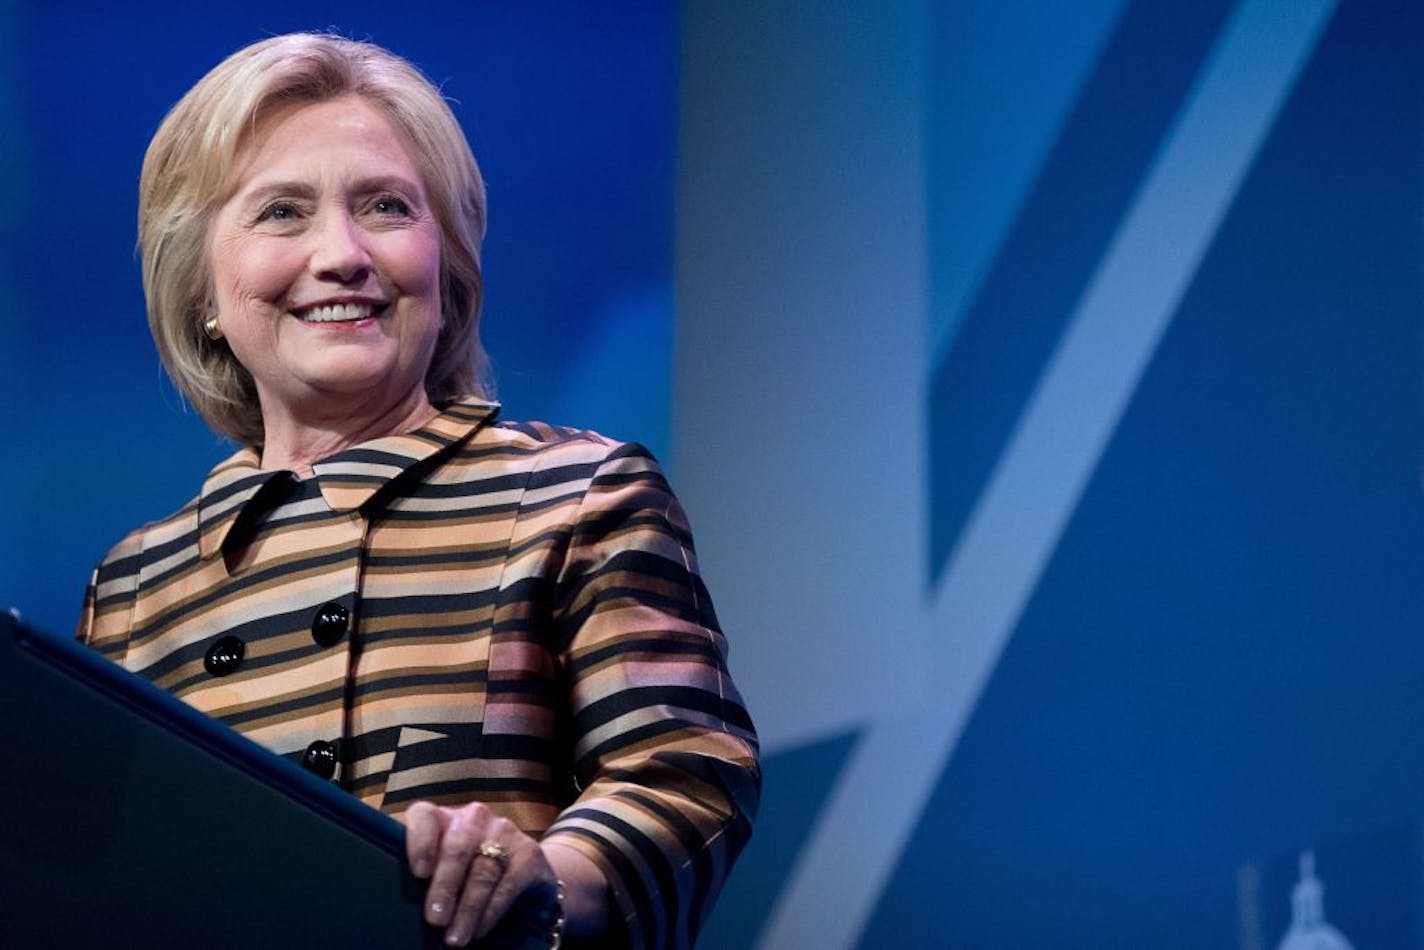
1071	377
1044	386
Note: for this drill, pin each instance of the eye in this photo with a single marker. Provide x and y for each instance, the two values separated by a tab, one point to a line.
278	211
391	205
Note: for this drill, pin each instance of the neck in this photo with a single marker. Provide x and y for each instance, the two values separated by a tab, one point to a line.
294	440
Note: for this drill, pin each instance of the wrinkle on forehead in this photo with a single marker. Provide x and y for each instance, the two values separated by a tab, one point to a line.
358	115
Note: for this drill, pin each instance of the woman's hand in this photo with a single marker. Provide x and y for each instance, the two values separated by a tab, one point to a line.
478	864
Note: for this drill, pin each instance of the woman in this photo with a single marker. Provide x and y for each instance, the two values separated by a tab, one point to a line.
494	632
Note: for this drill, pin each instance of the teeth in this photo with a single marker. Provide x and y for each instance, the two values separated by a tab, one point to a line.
336	312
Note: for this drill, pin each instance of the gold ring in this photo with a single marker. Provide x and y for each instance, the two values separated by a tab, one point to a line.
497	851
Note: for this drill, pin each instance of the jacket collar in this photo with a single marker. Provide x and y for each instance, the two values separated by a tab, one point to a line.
347	479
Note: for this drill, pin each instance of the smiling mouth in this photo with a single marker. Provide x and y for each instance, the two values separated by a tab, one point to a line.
340	313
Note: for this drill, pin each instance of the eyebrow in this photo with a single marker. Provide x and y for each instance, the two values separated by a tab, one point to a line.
368	185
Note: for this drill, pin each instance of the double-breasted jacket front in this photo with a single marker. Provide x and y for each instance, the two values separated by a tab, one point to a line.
472	611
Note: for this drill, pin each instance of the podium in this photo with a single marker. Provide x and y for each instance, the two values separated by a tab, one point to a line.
129	819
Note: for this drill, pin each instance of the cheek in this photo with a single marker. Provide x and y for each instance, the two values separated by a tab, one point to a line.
415	262
246	272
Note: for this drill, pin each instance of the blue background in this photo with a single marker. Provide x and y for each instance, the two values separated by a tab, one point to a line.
823	261
575	139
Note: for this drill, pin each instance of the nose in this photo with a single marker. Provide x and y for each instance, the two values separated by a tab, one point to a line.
339	250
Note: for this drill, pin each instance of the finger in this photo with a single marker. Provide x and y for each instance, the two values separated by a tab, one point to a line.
464	830
528	870
483	878
423	824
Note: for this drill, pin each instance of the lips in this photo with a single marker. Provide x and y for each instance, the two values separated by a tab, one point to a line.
338	312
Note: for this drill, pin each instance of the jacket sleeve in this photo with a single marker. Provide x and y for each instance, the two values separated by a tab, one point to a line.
109	599
665	753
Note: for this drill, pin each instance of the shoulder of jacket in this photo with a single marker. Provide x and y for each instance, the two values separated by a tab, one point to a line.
552	436
151	534
577	453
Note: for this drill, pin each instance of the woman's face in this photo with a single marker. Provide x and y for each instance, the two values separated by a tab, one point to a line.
326	263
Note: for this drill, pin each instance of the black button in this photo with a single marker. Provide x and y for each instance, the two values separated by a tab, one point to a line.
225	656
329	624
320	758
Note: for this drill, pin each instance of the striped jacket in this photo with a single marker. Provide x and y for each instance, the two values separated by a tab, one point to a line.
472	611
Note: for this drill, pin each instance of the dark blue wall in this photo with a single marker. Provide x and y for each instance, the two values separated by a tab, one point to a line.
1107	699
571	113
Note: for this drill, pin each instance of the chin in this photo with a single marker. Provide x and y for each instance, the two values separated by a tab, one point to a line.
350	375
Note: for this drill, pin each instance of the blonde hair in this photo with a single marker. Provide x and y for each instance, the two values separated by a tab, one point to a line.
187	176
